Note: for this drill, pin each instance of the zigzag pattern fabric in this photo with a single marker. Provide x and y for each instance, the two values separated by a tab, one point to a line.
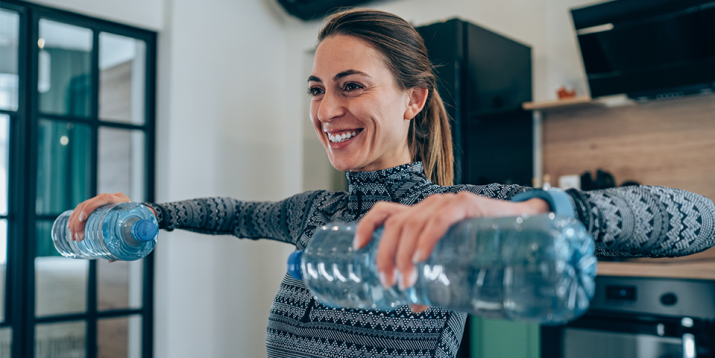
631	221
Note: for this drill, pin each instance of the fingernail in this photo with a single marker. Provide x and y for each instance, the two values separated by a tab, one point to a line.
82	216
408	281
80	236
74	236
417	257
383	280
356	242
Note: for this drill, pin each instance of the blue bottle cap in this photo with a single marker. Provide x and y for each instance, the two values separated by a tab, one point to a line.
144	230
294	269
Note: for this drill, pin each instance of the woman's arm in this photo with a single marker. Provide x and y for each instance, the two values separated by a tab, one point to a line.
633	221
626	221
648	221
279	220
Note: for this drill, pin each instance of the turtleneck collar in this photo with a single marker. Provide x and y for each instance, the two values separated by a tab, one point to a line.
392	184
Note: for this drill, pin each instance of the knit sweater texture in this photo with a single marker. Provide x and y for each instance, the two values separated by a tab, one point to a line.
645	221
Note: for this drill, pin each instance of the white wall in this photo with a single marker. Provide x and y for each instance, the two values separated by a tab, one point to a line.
231	98
226	131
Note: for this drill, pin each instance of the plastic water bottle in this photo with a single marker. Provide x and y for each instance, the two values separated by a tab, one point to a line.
125	231
536	269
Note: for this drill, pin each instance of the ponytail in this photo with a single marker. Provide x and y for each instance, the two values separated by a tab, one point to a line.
430	140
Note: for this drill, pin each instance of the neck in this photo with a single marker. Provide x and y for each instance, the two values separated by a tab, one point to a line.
400	157
391	184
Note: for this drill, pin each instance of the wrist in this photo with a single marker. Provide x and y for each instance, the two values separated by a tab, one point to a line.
534	206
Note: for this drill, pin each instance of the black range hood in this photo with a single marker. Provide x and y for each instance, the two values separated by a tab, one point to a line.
307	10
648	48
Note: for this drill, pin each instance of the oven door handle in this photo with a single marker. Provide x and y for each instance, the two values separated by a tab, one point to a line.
689	350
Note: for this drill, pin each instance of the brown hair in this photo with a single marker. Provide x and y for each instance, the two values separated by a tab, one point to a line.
429	138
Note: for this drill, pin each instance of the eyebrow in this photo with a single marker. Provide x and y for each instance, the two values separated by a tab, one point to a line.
339	75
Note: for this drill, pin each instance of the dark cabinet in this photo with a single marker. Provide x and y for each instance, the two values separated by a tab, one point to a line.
483	78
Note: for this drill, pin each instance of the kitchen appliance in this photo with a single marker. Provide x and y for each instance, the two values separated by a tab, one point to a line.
484	78
648	48
307	10
639	318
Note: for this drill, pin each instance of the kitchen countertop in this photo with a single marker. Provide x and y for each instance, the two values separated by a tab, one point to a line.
700	266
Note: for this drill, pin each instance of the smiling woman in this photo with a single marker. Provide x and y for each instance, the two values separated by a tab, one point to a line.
375	109
370	87
360	96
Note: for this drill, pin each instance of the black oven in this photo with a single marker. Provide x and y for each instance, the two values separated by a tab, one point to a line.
639	318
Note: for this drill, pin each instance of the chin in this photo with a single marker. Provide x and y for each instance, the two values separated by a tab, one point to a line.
344	165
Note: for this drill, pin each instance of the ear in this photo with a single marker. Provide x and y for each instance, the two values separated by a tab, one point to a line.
417	97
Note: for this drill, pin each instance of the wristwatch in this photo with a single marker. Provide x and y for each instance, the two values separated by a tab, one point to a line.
558	200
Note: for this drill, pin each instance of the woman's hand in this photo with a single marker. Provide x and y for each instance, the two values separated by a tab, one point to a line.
79	216
411	232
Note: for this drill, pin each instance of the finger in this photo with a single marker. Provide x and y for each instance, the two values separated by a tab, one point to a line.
374	218
387	249
90	206
74	221
436	227
413	225
418	308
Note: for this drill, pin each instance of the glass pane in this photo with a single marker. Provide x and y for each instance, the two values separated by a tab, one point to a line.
60	283
4	152
63	167
3	268
121	162
61	340
5	342
9	26
121	78
119	337
120	284
64	72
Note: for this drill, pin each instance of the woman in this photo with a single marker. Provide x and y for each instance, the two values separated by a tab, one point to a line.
375	109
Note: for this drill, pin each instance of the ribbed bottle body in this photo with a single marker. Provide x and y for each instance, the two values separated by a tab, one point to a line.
124	231
537	269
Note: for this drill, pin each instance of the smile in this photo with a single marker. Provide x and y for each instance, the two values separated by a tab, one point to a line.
342	137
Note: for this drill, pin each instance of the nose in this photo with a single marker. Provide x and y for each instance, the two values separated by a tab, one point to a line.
331	106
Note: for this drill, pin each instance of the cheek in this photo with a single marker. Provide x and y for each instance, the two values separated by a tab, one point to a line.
314	115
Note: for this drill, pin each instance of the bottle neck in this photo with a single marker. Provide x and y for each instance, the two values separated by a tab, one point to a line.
294	265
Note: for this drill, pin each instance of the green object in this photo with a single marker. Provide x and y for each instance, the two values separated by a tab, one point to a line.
504	339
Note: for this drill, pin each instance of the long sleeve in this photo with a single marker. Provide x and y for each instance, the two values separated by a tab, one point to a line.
633	221
648	221
281	220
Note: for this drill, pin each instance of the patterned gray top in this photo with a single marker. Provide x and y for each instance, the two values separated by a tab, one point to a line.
628	221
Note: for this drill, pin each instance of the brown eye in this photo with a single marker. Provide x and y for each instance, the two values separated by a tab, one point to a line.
314	91
350	86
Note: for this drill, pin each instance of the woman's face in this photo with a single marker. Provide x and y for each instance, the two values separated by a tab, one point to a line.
358	111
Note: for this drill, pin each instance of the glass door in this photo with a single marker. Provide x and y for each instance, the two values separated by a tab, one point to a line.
76	119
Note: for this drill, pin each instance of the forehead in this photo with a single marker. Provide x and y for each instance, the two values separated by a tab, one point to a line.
339	53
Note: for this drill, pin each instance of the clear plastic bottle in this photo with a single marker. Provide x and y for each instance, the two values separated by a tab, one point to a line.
536	269
125	231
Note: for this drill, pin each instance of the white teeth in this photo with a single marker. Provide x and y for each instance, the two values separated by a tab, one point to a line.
337	138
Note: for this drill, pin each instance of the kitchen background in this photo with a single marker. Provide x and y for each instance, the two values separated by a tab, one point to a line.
232	121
